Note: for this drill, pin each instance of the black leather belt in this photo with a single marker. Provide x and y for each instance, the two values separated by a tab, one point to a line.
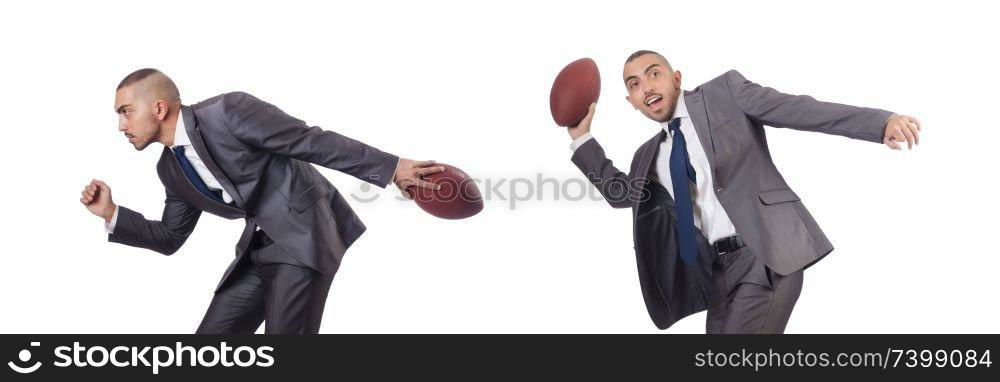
728	244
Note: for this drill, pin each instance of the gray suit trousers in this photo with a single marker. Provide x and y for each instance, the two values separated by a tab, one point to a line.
749	298
270	286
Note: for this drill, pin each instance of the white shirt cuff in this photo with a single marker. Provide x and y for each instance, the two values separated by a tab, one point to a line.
580	141
109	227
392	179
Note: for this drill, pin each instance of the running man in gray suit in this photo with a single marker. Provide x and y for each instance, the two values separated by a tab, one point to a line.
238	157
715	225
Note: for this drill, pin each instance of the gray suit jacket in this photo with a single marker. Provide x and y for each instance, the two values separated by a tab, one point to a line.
729	113
261	157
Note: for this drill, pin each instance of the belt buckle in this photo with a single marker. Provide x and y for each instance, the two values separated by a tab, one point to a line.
717	246
730	242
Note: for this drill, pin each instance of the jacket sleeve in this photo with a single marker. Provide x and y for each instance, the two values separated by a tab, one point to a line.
165	236
264	126
802	112
615	185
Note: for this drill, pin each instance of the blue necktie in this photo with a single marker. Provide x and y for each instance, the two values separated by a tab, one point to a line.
680	172
192	175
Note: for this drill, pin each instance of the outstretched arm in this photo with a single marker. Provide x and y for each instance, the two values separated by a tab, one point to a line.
264	126
801	112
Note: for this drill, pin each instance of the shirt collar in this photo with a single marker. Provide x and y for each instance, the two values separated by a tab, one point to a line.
681	111
180	133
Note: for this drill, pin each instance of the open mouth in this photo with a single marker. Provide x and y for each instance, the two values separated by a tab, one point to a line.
654	101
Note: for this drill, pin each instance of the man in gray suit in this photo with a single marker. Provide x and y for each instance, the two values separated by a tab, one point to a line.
715	225
238	157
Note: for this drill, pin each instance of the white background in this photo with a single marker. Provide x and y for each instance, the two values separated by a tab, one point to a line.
468	84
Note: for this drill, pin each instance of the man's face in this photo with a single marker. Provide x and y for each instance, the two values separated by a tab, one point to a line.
137	118
652	86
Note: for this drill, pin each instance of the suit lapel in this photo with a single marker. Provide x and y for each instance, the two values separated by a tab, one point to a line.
173	178
198	143
695	102
649	150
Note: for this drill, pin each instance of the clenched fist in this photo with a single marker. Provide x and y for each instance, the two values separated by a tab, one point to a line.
96	196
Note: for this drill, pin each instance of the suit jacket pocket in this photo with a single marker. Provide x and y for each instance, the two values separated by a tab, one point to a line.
745	268
307	198
777	196
648	212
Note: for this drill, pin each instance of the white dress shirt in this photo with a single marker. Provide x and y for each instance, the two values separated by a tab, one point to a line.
181	138
709	215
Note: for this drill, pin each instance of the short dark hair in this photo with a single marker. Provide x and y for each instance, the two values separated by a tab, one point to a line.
137	76
159	86
640	53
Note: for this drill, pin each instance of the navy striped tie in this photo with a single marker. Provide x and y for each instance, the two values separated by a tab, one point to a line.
680	172
192	175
